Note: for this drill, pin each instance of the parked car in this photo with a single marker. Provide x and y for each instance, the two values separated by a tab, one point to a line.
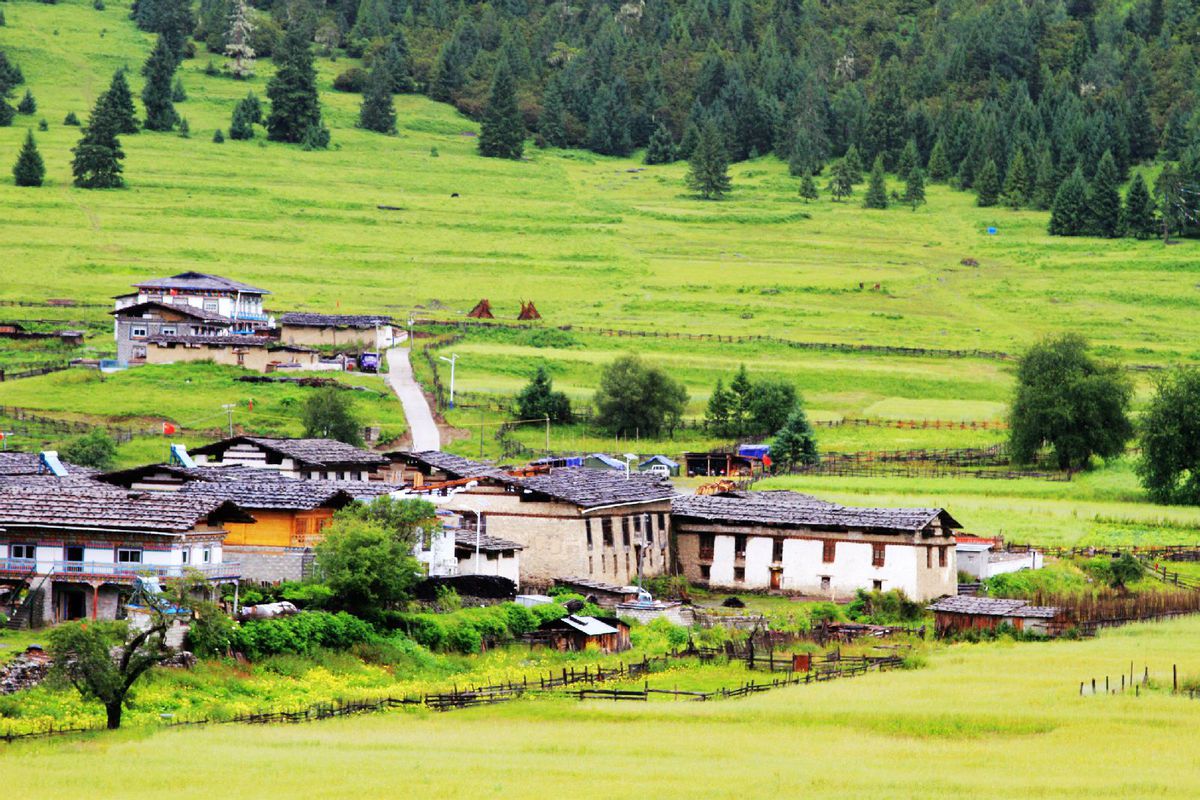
661	470
368	362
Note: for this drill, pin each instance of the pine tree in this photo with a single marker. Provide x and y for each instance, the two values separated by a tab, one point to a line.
877	196
909	158
377	112
119	101
246	113
1138	218
1016	182
987	185
661	149
1069	215
156	94
1169	189
502	135
29	169
841	180
741	395
1104	199
237	41
185	130
914	188
551	125
608	120
397	63
218	137
708	168
939	165
178	93
803	159
27	105
795	444
97	161
854	165
808	188
295	105
716	417
1045	184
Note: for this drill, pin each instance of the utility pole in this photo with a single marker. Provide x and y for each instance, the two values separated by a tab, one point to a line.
229	407
547	434
452	361
481	433
410	333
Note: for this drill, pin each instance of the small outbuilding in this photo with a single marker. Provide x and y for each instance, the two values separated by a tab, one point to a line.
659	461
957	614
604	461
574	634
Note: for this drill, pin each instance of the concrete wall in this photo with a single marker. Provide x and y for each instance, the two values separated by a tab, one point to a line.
911	564
506	566
252	358
554	536
374	339
269	564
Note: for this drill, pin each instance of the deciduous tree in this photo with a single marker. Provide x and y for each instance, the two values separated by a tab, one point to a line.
329	414
1169	467
637	399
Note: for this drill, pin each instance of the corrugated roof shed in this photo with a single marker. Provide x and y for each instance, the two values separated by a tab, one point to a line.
589	626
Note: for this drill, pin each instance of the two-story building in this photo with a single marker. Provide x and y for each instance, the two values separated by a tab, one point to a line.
571	522
224	297
76	551
792	542
312	459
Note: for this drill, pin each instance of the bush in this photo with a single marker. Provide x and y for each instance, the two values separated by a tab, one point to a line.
352	80
884	608
71	119
300	634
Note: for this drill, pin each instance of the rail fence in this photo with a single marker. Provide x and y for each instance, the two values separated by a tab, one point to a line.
77	427
9	375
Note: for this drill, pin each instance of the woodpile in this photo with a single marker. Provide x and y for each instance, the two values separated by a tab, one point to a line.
482	310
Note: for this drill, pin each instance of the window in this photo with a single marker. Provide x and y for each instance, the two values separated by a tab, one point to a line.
942	556
824	583
877	553
625	531
877	585
587	527
777	550
211	305
662	520
649	528
206	555
739	546
616	569
167	331
185	556
138	333
739	574
637	524
128	555
828	551
73	555
26	552
928	557
626	562
606	531
706	545
705	571
589	565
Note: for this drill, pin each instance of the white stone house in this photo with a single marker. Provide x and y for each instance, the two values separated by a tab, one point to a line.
982	558
312	459
216	295
790	542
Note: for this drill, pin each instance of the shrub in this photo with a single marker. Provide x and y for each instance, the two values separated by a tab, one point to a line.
300	634
71	119
884	607
352	80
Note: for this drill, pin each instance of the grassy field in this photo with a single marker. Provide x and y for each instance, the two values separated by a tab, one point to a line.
985	721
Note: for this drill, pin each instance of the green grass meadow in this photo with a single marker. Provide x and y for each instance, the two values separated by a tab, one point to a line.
985	721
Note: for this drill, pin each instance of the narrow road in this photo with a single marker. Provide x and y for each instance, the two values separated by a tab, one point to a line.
421	426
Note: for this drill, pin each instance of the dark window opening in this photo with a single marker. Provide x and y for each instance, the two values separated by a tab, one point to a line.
606	531
777	550
706	545
739	546
828	551
739	574
877	555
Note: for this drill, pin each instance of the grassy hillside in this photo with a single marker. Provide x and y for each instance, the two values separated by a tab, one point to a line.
590	239
985	721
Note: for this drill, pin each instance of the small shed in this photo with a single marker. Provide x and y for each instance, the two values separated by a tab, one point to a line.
962	613
607	595
574	634
659	460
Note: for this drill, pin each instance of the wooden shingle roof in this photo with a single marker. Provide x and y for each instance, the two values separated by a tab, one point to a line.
454	466
992	607
791	509
316	453
591	488
306	319
145	512
293	495
200	282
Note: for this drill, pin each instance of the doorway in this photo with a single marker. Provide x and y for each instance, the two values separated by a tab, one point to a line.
72	604
776	579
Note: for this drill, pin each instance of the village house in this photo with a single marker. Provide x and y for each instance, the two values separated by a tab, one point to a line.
136	325
983	558
571	522
230	299
288	516
790	542
956	614
574	633
258	353
312	459
360	331
428	467
78	550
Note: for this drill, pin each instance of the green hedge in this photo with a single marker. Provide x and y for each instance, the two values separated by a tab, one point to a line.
302	634
463	631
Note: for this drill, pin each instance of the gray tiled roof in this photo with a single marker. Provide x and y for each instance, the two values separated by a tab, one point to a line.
992	607
227	340
200	282
465	540
286	494
14	462
182	308
309	453
454	466
790	509
306	319
150	512
591	488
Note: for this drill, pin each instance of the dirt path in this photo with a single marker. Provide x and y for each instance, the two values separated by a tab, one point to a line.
421	425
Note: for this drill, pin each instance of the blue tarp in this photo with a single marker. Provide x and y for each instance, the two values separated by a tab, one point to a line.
659	460
608	461
754	450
